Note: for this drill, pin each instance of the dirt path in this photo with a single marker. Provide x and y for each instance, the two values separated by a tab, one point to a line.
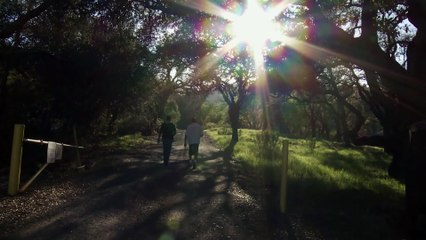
135	197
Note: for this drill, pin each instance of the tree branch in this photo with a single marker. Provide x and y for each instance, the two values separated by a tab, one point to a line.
19	24
337	42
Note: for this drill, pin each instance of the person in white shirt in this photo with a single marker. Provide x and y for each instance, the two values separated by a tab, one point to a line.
193	133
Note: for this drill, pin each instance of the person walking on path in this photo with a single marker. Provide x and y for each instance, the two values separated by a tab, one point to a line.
193	133
167	133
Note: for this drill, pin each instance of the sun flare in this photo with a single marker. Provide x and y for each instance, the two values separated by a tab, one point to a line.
255	27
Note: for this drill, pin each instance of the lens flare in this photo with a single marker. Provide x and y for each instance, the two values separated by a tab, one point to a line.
255	27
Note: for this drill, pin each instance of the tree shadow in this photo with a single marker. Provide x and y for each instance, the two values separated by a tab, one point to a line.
279	225
228	152
134	198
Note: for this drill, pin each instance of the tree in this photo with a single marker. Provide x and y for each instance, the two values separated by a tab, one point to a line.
235	75
252	113
396	94
391	86
341	84
175	66
73	62
14	25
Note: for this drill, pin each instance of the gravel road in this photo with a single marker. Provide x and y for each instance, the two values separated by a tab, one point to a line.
133	196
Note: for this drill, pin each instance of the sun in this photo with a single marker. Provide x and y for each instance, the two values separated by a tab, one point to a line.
255	27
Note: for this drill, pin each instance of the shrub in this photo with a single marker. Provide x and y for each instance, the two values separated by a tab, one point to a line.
267	142
268	153
224	131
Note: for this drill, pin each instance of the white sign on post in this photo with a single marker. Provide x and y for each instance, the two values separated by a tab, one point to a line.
51	152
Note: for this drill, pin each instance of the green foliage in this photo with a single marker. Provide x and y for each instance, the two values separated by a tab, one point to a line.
222	140
123	143
72	64
268	153
311	143
268	144
224	131
129	123
190	106
214	112
171	109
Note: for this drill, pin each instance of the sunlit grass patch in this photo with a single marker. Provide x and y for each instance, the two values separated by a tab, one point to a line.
348	188
220	137
124	143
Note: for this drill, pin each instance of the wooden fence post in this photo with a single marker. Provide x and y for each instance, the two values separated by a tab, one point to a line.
16	159
284	170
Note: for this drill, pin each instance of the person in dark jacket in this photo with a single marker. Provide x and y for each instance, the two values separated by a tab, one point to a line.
166	134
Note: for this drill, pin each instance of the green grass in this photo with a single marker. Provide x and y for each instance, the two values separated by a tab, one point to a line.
346	191
124	143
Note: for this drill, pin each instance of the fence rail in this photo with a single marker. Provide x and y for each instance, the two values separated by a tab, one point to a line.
16	157
41	141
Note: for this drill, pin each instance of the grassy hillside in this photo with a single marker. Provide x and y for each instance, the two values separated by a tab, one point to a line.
345	192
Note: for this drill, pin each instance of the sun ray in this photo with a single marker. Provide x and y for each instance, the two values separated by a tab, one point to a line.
263	92
246	32
206	63
210	8
303	47
315	52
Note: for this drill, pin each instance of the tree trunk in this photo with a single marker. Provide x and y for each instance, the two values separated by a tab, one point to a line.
359	122
416	162
343	120
389	114
234	118
277	118
312	121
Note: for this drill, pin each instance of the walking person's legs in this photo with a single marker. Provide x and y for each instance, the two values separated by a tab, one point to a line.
190	155
193	150
167	149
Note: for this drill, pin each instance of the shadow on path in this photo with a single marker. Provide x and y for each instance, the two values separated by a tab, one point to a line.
135	197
